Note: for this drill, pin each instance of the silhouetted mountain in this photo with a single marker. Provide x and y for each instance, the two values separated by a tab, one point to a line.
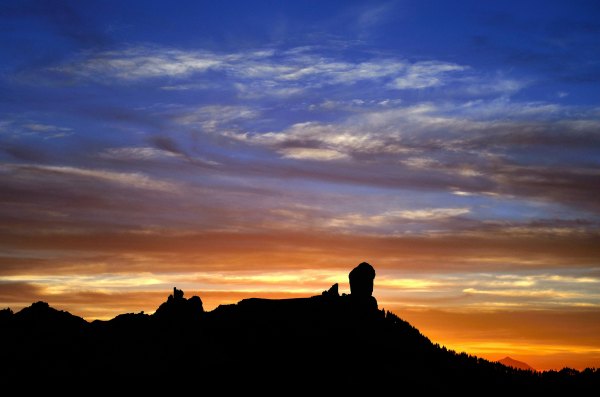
510	362
326	342
178	308
41	315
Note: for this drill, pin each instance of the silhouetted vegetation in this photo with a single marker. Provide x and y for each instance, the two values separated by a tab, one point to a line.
332	341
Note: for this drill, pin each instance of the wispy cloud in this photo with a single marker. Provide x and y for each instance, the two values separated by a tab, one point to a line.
434	213
312	154
472	148
18	127
374	15
139	63
129	179
519	293
136	153
210	118
264	72
424	75
393	218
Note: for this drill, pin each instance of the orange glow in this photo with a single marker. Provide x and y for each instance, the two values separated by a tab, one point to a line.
543	339
461	291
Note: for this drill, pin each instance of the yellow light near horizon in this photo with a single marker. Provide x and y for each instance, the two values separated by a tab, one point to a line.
407	283
529	348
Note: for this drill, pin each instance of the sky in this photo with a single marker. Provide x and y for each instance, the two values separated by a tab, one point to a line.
241	149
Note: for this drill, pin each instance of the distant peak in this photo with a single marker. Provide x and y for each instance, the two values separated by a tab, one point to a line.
511	362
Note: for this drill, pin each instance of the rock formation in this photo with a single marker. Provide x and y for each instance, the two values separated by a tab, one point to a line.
179	308
333	291
361	280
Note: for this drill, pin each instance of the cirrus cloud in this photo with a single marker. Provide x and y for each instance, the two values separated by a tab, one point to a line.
292	71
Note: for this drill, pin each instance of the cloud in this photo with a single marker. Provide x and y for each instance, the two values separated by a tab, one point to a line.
435	213
375	15
136	153
424	75
22	292
129	179
382	132
136	63
179	250
16	128
478	149
44	127
254	73
358	135
486	86
57	199
392	218
570	279
516	289
312	154
408	283
214	117
519	293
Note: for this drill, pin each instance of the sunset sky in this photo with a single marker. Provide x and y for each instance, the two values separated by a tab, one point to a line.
242	149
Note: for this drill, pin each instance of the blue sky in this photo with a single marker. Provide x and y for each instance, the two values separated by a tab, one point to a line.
455	145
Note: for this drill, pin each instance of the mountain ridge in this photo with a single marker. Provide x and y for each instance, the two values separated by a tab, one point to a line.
329	339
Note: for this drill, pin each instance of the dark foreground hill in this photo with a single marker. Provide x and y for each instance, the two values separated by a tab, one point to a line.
310	345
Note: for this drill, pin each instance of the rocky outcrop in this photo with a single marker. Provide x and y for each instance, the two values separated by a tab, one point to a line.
361	280
333	291
179	308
